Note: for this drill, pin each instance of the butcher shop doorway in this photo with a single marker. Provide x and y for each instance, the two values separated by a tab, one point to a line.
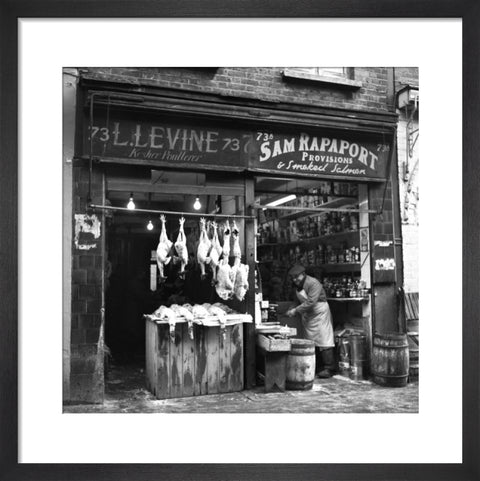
133	283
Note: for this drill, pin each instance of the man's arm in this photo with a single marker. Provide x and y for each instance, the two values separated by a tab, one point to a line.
313	291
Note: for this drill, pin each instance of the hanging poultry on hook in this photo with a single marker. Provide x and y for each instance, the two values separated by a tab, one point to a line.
181	248
229	280
163	250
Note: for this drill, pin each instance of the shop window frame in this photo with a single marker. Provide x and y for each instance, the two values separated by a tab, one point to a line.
324	75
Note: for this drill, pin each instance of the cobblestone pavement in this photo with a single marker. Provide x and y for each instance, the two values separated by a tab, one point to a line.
126	393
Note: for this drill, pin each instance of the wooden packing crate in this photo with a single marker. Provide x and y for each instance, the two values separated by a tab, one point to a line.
270	344
211	362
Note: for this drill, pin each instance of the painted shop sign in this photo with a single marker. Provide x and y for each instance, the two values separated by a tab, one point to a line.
319	154
152	142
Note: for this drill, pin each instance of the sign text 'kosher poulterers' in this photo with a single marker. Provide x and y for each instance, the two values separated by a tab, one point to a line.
298	154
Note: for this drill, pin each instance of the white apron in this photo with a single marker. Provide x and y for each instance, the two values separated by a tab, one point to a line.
318	324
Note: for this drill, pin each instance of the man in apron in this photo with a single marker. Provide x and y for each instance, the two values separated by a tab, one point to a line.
316	318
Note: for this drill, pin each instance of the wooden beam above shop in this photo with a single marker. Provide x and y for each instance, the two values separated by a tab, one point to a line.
138	185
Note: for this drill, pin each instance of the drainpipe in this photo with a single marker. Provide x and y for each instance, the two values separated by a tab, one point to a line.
396	213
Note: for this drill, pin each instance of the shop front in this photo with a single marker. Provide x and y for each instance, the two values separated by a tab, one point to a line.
190	210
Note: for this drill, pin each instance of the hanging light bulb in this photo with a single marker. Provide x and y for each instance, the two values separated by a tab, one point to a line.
196	204
131	204
150	225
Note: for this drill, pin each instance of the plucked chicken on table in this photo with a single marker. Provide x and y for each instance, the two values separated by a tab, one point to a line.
167	314
199	311
183	311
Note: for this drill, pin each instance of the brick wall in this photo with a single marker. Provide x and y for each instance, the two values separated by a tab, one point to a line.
408	166
406	75
259	83
410	257
86	364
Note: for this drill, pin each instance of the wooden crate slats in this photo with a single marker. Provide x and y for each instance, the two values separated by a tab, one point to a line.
236	358
213	359
206	364
412	341
162	355
415	303
150	328
201	378
224	371
271	344
176	363
408	308
188	362
411	306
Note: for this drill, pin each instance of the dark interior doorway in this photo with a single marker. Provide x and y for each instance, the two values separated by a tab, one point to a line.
128	295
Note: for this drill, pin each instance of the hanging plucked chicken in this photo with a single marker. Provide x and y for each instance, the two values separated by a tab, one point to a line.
163	250
181	248
240	287
203	248
237	252
225	278
239	271
215	252
227	232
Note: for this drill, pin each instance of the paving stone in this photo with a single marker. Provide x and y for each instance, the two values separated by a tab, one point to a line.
126	392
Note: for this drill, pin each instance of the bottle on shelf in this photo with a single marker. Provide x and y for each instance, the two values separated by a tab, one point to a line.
353	222
320	255
345	287
347	255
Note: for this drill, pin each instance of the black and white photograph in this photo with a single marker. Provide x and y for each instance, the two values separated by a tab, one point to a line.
241	239
218	240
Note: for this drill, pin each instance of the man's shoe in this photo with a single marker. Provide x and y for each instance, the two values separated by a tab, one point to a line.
325	374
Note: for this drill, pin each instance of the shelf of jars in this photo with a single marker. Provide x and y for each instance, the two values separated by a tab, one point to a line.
330	204
348	299
341	268
331	226
345	267
346	289
338	258
338	236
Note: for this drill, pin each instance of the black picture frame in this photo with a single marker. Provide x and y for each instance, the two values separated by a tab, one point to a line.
467	10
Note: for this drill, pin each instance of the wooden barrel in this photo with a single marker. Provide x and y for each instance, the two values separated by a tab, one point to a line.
413	352
390	359
357	356
300	365
414	361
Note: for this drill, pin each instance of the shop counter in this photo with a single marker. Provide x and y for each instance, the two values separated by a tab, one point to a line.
194	358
